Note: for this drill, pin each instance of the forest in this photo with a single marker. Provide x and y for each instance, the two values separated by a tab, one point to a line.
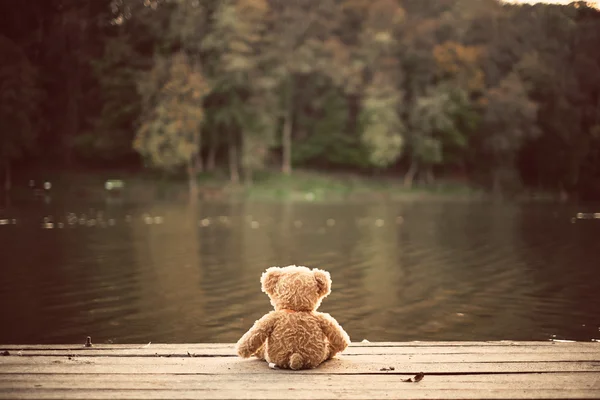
503	96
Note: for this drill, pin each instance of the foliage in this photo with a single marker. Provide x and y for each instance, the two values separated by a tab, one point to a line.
173	93
509	118
246	109
111	132
19	99
383	129
323	138
421	86
460	64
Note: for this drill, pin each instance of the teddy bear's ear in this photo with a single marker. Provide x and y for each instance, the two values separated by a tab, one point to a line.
269	279
323	281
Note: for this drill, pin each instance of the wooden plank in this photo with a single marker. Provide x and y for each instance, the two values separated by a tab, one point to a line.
304	393
176	346
273	381
229	350
232	365
529	356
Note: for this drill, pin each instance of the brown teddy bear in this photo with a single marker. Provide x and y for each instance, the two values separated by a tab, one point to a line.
294	335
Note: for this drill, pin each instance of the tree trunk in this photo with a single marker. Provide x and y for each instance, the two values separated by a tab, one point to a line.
496	183
234	169
7	176
410	174
212	155
198	167
248	176
352	124
429	177
72	117
192	182
7	183
286	166
198	162
74	32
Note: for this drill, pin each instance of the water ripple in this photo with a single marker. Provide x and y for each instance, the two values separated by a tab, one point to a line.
418	271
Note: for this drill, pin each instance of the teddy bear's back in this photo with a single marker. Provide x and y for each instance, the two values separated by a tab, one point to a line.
300	333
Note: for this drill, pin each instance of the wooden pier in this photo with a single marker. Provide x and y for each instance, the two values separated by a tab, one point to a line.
415	370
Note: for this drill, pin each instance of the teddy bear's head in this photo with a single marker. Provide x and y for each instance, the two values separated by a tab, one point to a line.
296	288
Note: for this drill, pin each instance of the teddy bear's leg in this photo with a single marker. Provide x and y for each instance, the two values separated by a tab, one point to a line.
326	355
330	353
260	353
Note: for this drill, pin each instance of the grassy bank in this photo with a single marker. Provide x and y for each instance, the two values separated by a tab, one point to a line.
301	186
318	186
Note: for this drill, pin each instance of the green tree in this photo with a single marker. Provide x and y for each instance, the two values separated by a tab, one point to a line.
382	128
443	117
439	121
508	121
564	81
121	37
364	67
323	135
170	132
112	130
295	45
19	100
245	104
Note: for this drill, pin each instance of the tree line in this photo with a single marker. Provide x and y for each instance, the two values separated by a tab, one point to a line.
506	95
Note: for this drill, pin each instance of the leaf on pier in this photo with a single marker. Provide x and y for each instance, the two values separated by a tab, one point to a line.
417	378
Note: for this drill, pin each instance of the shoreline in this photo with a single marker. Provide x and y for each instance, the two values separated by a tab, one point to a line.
303	186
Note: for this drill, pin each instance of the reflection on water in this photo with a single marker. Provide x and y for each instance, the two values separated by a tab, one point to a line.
411	271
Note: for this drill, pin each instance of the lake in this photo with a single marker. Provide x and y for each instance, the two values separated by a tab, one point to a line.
419	270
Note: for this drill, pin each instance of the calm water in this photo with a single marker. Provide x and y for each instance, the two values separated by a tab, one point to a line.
414	271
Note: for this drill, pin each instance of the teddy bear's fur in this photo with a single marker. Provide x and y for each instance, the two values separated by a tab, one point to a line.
294	335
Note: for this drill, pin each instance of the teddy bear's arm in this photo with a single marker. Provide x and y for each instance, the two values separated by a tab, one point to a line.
338	338
256	336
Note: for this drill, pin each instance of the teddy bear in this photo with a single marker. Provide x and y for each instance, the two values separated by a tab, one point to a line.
294	335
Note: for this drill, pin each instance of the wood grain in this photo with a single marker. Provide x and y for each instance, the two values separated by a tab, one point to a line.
453	370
